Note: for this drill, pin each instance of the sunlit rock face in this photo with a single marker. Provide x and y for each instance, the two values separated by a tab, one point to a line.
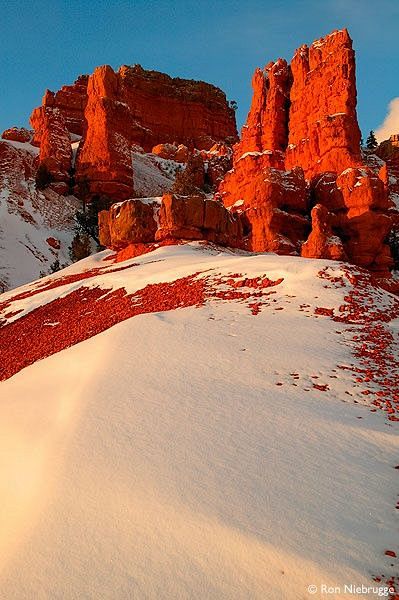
300	147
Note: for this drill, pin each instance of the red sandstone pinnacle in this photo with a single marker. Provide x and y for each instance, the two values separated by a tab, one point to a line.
53	138
266	127
307	109
105	157
71	102
134	106
316	130
323	131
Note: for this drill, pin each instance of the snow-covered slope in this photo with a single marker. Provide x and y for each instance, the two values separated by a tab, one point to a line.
232	435
28	218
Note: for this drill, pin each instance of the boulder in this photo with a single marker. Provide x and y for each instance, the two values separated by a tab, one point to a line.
131	221
178	153
197	218
17	134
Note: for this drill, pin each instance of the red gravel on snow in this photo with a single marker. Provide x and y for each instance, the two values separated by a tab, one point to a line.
83	313
64	280
376	348
374	344
86	312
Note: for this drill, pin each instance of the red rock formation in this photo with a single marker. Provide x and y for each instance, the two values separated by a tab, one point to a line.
197	218
323	130
266	127
322	243
178	153
17	134
71	102
132	221
16	169
316	130
105	158
359	201
53	138
274	202
134	106
167	109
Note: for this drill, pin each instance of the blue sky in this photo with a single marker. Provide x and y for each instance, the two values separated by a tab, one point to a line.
47	44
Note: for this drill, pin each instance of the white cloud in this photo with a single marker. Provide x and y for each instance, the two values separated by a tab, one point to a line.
390	124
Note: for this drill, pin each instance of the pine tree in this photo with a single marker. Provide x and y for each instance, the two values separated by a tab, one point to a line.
43	177
80	247
371	142
87	220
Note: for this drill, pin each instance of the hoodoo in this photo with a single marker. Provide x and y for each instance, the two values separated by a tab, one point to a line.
296	182
303	126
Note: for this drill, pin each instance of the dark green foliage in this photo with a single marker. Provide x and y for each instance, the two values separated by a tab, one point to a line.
191	179
53	268
43	177
84	191
80	247
87	219
371	142
393	241
233	104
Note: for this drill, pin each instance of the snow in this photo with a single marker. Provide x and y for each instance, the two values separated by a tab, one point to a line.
174	466
254	153
153	175
395	199
23	146
23	246
237	204
75	148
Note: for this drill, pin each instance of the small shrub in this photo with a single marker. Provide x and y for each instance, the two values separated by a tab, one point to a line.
80	247
393	241
43	177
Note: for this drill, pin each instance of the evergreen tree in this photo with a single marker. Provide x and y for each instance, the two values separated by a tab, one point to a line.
88	218
80	246
43	177
393	241
371	142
